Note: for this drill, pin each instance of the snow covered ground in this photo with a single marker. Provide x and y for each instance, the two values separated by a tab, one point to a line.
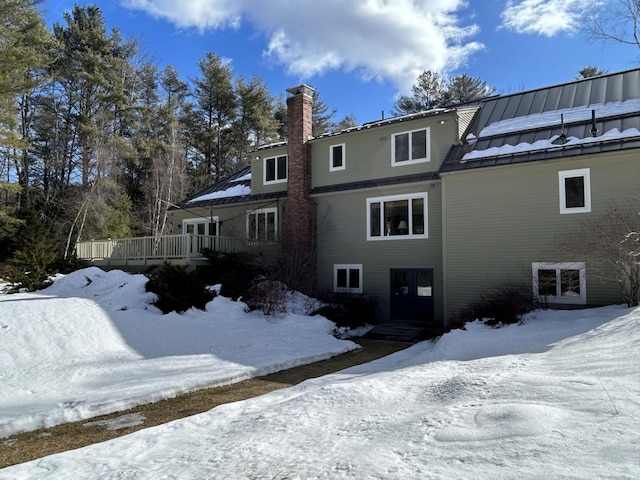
92	344
557	397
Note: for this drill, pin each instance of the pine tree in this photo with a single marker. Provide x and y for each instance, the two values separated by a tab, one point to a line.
215	111
347	121
590	71
24	57
90	75
254	125
463	88
427	93
24	39
321	115
432	90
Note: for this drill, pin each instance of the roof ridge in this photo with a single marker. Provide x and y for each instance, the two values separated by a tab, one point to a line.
557	85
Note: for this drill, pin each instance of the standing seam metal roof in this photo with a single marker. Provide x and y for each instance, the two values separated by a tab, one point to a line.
596	92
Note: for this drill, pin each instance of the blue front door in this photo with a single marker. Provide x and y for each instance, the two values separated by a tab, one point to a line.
412	295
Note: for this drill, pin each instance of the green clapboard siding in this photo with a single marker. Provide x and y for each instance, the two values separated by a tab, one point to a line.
498	220
232	217
342	239
368	151
257	171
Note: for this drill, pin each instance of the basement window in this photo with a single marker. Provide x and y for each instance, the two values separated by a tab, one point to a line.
347	278
560	283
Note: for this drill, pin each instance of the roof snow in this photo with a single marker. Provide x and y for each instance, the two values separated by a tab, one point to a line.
613	134
235	191
552	117
243	178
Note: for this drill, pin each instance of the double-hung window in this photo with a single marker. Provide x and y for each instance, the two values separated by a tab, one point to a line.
275	169
262	225
337	157
575	191
397	216
410	147
347	278
560	282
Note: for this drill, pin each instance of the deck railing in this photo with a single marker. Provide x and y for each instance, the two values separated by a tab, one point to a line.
183	247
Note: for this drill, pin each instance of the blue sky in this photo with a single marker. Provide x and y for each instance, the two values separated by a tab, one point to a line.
360	54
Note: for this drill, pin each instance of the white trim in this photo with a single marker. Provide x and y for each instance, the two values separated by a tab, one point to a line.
348	267
410	160
563	175
204	220
561	298
344	159
264	170
264	211
384	233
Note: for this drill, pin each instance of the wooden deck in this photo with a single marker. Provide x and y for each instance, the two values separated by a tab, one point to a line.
184	249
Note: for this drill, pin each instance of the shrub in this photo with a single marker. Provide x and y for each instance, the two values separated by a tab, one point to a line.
30	268
36	259
268	296
346	309
178	288
234	271
505	305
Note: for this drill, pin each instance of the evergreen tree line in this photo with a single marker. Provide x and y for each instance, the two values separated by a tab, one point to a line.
97	142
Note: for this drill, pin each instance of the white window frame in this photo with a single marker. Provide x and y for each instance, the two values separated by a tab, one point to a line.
383	227
205	220
559	298
332	168
277	179
348	267
262	211
563	175
411	160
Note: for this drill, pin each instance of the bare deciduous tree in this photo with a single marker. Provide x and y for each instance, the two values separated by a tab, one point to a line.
610	245
617	21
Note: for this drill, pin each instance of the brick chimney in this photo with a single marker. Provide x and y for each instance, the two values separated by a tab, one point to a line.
299	213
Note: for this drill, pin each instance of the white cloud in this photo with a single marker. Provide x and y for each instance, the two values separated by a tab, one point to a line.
383	39
545	17
201	14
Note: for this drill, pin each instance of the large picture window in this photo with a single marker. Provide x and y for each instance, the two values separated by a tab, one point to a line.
275	169
410	147
262	225
397	216
575	191
560	282
347	278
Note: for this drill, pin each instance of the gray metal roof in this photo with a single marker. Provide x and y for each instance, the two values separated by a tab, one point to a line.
527	126
237	179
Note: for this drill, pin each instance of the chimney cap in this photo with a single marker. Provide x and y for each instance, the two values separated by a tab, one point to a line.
303	89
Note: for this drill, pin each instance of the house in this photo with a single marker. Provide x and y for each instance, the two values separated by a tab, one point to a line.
425	212
534	166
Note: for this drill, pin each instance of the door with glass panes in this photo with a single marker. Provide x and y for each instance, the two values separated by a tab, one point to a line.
200	228
412	295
